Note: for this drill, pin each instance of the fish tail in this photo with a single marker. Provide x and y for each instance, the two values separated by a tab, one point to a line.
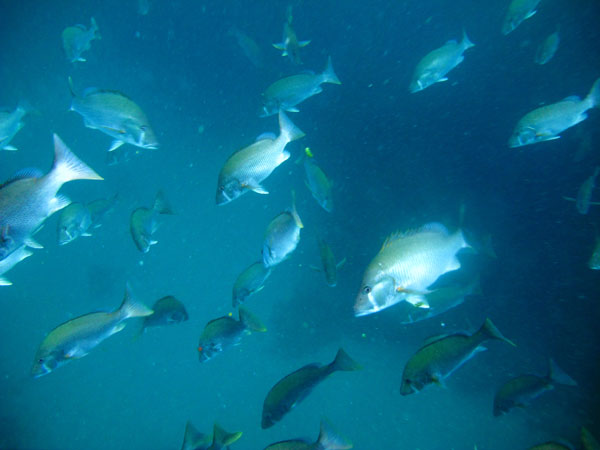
94	28
222	438
250	321
72	87
132	307
343	362
559	376
489	331
295	215
288	130
593	98
329	75
466	42
330	439
161	204
68	167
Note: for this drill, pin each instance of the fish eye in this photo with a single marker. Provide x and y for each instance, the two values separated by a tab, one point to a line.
367	290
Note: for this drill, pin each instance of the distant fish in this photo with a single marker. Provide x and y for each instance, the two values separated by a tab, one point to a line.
249	282
594	261
518	11
282	236
290	45
77	337
328	262
166	311
143	7
584	194
295	387
329	439
519	392
144	222
289	92
317	182
74	221
11	261
547	49
249	47
78	39
194	440
100	208
434	67
10	124
547	122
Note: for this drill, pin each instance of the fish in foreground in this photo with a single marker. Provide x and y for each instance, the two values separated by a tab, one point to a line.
518	11
434	67
329	439
330	266
114	114
584	194
10	124
166	311
290	45
407	264
145	221
249	282
317	182
11	261
295	387
282	236
247	168
441	356
547	49
29	198
547	122
519	392
77	337
78	39
225	332
194	440
289	92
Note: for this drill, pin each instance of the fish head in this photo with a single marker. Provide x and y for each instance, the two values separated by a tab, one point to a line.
67	232
414	381
142	135
270	107
375	295
524	136
269	418
423	80
208	349
44	364
228	190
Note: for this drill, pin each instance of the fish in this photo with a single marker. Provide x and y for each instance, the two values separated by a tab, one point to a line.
249	47
249	282
288	392
588	440
225	332
11	261
167	311
116	115
144	222
547	49
282	236
143	7
434	67
247	168
75	338
289	92
584	194
547	122
290	45
78	39
407	264
518	11
519	392
330	267
194	440
30	197
73	222
329	439
441	356
594	261
10	124
553	445
317	182
99	208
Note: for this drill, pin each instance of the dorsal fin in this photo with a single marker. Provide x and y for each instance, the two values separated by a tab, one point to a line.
30	172
572	98
266	135
95	90
433	227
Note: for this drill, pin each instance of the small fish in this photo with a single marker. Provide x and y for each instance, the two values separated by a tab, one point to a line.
194	440
77	337
441	356
434	67
29	198
407	264
249	282
249	47
329	439
10	124
295	387
247	168
287	93
78	39
594	262
547	122
144	222
143	7
518	11
519	392
290	45
11	261
114	114
282	236
584	194
547	49
317	182
225	332
167	311
73	222
330	267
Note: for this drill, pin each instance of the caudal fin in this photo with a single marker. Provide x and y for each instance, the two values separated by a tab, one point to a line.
593	98
329	75
466	42
343	362
287	129
251	321
132	307
68	167
295	215
489	331
161	204
222	438
330	439
193	438
94	28
559	376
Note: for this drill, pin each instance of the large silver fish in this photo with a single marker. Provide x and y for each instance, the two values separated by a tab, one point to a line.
547	49
290	45
547	122
114	114
10	124
77	337
78	39
249	282
407	264
434	67
144	222
518	11
287	93
29	198
247	168
317	182
73	222
584	194
282	236
11	261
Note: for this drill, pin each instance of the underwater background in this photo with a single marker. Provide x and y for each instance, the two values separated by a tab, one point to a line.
398	160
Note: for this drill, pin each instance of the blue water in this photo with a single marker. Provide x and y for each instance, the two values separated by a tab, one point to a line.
398	160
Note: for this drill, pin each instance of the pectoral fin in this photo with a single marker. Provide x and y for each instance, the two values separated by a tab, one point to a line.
115	145
255	187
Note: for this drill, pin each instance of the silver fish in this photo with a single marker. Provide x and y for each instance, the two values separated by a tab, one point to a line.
317	182
290	45
11	261
547	122
518	11
10	124
144	222
74	221
584	194
434	67
28	199
77	337
247	168
114	114
78	39
249	282
287	93
547	49
282	236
